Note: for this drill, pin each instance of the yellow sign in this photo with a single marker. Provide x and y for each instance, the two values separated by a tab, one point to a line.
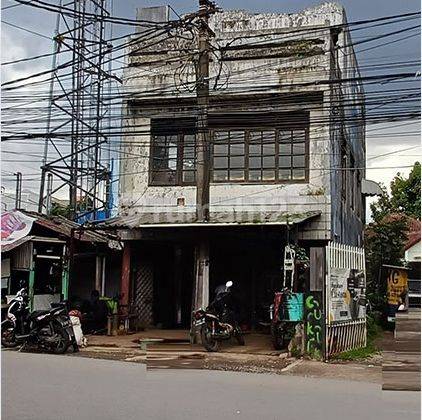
396	286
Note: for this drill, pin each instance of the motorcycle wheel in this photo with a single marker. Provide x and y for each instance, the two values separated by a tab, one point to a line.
8	337
239	336
240	339
62	343
209	343
277	337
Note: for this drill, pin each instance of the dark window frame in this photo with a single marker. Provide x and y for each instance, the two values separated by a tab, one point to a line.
179	171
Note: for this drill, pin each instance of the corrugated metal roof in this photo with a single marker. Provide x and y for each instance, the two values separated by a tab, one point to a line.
64	226
181	219
15	244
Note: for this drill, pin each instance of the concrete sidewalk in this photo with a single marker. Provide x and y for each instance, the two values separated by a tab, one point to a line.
257	356
178	340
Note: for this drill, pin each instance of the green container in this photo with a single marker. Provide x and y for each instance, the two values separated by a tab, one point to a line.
294	306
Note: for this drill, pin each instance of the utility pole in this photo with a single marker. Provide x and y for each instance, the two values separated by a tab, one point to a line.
18	197
203	134
202	253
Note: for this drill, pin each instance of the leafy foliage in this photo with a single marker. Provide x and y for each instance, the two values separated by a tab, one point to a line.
58	210
386	236
405	196
384	244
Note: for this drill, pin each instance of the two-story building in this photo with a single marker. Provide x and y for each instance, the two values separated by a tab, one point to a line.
287	136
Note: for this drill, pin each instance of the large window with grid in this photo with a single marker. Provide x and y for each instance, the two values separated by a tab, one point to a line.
242	154
260	155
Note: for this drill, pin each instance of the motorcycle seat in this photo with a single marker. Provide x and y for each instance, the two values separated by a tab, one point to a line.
35	314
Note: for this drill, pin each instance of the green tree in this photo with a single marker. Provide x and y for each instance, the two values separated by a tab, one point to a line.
59	210
386	236
406	193
405	196
384	244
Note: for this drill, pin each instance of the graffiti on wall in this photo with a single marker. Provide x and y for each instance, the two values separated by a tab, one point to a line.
314	324
347	294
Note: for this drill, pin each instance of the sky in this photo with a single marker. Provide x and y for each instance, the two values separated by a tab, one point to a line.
393	147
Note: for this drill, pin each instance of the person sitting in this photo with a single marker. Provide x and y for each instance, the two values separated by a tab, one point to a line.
96	319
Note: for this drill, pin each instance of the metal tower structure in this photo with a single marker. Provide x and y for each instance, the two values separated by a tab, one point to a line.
78	114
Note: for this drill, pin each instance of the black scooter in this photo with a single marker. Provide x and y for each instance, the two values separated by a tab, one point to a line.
217	323
49	330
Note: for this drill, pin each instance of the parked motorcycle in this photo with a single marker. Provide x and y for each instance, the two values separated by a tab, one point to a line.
285	313
49	330
217	323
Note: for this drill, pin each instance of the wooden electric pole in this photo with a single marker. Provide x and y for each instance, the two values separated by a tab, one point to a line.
202	93
201	295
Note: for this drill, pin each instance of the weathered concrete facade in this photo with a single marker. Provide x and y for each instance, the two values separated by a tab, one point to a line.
263	65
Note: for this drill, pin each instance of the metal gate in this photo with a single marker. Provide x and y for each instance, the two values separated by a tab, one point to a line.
144	294
345	289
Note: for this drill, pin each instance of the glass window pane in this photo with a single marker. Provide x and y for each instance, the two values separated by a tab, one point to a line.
220	175
188	164
284	148
221	136
298	135
284	174
159	140
254	150
254	175
255	162
268	175
164	177
285	136
237	136
221	162
189	140
221	149
298	148
159	160
255	137
268	138
237	161
237	148
298	173
188	152
284	161
189	177
172	162
237	175
298	161
268	162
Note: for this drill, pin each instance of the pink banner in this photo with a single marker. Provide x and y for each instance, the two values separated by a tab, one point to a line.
14	226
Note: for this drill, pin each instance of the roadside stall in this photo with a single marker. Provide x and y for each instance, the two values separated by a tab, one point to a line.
35	262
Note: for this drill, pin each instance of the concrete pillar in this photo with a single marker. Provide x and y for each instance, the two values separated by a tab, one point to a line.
178	283
98	273
202	272
125	276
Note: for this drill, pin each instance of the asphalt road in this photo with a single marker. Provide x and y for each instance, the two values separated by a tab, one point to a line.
44	387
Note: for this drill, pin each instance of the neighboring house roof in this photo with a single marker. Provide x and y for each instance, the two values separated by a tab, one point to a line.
19	242
370	188
180	219
414	235
59	225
